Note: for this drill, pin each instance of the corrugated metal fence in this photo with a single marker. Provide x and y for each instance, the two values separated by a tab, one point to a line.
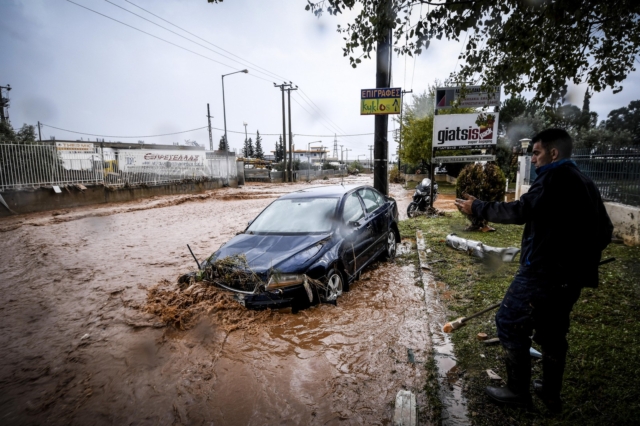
36	165
615	171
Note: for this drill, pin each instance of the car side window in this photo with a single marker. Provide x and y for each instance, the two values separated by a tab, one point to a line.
352	209
379	198
370	201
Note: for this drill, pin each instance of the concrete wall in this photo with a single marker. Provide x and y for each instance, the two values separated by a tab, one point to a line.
45	199
626	222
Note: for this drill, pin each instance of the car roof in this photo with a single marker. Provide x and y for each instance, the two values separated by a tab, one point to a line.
323	191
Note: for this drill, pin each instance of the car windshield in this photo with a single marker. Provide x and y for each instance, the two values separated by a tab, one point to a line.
298	215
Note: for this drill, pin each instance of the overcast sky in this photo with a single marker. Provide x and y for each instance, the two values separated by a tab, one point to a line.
74	69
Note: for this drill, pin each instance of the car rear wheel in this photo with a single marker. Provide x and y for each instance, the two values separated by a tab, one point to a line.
390	249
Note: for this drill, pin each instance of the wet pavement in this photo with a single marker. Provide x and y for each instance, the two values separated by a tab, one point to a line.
78	347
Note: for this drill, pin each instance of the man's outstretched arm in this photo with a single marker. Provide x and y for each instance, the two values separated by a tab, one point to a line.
515	212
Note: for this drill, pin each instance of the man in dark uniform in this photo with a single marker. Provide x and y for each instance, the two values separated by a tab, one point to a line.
566	229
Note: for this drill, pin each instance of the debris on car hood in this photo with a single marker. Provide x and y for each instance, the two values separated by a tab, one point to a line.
480	250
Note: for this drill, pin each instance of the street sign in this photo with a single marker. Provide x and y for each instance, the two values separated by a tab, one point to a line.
467	97
380	101
460	131
464	159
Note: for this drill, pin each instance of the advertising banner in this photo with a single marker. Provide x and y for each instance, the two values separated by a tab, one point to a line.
468	96
380	101
74	146
135	160
460	131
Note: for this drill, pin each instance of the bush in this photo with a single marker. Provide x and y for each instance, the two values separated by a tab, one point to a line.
486	183
395	176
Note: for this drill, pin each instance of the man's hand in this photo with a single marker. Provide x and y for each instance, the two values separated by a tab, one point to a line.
465	205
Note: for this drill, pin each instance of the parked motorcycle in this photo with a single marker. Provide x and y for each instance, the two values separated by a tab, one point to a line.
422	197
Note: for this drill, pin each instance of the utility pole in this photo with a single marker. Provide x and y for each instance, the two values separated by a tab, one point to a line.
210	136
341	154
4	104
383	79
335	146
39	135
371	157
400	136
290	133
284	132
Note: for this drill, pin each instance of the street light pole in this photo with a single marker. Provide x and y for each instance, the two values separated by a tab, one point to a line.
224	114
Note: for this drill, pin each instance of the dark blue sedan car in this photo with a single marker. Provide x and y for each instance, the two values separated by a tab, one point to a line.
309	246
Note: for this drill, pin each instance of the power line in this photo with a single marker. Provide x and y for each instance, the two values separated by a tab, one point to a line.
267	72
201	128
186	38
161	39
218	47
205	57
123	137
320	111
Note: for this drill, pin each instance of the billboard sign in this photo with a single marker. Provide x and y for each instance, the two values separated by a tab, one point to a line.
380	101
460	131
135	160
467	97
74	146
464	159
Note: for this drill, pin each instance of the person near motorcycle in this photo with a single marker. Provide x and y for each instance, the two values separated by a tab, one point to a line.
566	230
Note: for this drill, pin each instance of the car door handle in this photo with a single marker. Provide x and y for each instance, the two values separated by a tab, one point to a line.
369	225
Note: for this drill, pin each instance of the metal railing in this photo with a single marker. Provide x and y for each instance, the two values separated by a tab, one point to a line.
615	171
37	165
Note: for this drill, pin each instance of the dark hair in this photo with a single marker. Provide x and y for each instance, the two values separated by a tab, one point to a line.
555	138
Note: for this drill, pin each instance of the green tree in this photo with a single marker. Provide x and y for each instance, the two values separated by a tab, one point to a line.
626	118
259	154
222	145
521	45
279	153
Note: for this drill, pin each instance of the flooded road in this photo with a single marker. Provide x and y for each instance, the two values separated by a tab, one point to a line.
79	348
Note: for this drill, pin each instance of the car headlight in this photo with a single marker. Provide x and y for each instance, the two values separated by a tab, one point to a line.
284	280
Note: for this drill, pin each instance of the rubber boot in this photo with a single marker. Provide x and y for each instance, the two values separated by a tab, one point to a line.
516	392
548	389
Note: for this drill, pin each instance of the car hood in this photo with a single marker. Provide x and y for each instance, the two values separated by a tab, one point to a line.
264	252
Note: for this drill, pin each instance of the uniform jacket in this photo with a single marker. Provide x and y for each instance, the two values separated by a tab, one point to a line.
566	224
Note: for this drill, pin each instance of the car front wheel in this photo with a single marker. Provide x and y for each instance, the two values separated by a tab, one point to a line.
334	286
412	209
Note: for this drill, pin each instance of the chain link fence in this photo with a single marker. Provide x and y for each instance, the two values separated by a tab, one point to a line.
615	171
36	165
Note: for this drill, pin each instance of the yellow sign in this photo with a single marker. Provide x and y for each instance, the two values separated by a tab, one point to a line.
380	101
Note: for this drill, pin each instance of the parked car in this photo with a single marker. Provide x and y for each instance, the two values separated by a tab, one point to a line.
326	235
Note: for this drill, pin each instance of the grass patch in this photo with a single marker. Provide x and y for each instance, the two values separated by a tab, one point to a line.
446	188
603	366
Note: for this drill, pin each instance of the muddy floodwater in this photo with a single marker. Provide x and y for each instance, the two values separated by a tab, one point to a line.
79	348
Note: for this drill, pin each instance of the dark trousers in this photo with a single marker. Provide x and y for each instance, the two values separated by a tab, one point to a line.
539	304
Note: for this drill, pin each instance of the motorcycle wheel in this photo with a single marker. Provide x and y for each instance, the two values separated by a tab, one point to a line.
412	209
